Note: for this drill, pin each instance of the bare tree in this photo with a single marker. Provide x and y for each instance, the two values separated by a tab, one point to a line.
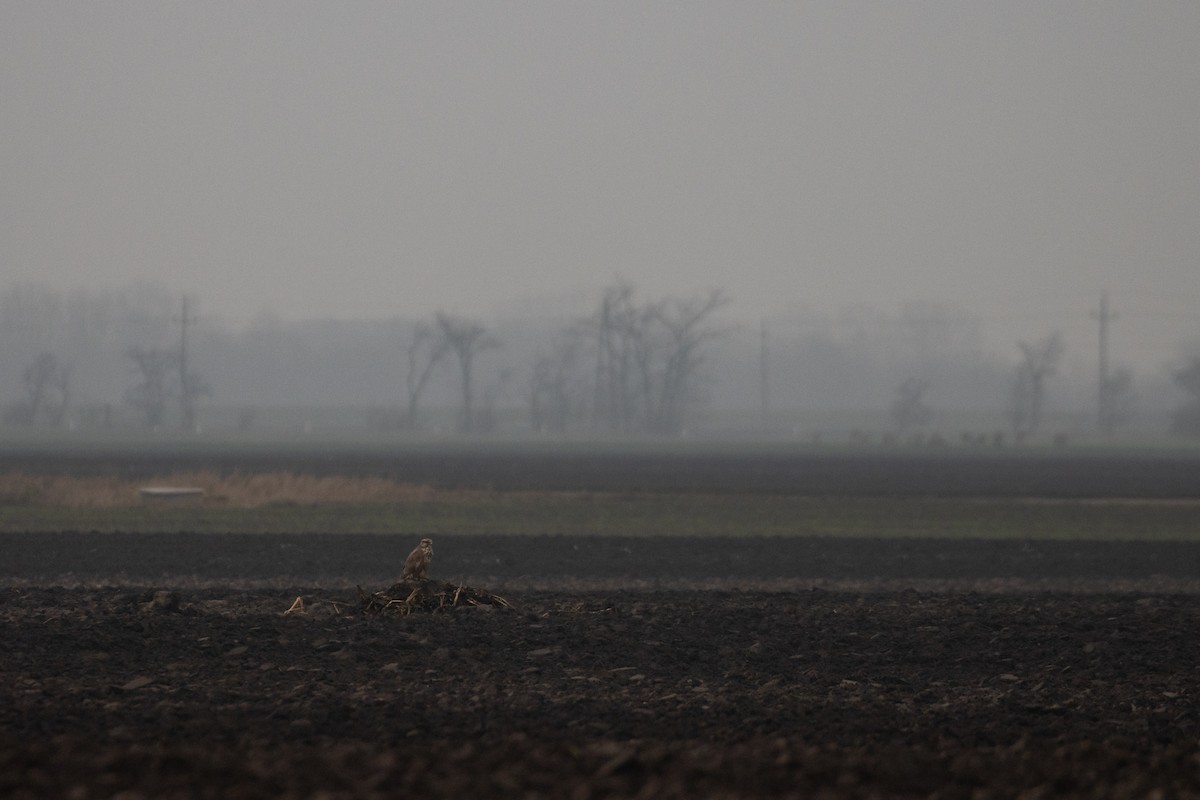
151	393
1039	361
618	330
488	420
466	339
909	408
687	328
552	386
47	392
425	352
649	358
1186	419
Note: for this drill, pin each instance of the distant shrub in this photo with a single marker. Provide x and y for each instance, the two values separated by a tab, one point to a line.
1186	421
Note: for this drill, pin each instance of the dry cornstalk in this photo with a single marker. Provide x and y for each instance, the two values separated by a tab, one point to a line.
428	596
297	606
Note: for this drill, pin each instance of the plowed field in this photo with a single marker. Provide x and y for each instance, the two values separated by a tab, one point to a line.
164	666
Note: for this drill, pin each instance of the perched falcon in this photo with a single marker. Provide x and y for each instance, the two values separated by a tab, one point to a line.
416	566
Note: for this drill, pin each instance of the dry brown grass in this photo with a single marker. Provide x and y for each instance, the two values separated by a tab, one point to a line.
235	490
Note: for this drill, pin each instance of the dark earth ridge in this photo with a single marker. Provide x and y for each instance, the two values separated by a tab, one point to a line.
945	473
375	558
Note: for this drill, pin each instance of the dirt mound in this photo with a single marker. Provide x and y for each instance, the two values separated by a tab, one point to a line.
401	599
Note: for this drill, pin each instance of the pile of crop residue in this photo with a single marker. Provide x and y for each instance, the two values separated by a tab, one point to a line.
407	597
403	598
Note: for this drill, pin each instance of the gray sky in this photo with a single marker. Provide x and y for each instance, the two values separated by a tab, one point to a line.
372	159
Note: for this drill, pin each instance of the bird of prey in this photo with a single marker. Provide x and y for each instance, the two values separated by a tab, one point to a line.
416	566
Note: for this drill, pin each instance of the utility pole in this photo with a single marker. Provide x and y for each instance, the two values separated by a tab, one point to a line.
187	394
763	375
1104	400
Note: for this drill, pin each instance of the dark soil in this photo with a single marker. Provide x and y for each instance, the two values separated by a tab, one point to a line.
944	472
161	666
571	562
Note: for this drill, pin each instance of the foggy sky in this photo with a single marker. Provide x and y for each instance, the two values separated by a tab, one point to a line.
375	159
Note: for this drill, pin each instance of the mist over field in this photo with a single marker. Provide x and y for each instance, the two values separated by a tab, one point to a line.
816	220
809	374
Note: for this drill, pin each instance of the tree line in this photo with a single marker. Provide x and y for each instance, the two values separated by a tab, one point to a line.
628	365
